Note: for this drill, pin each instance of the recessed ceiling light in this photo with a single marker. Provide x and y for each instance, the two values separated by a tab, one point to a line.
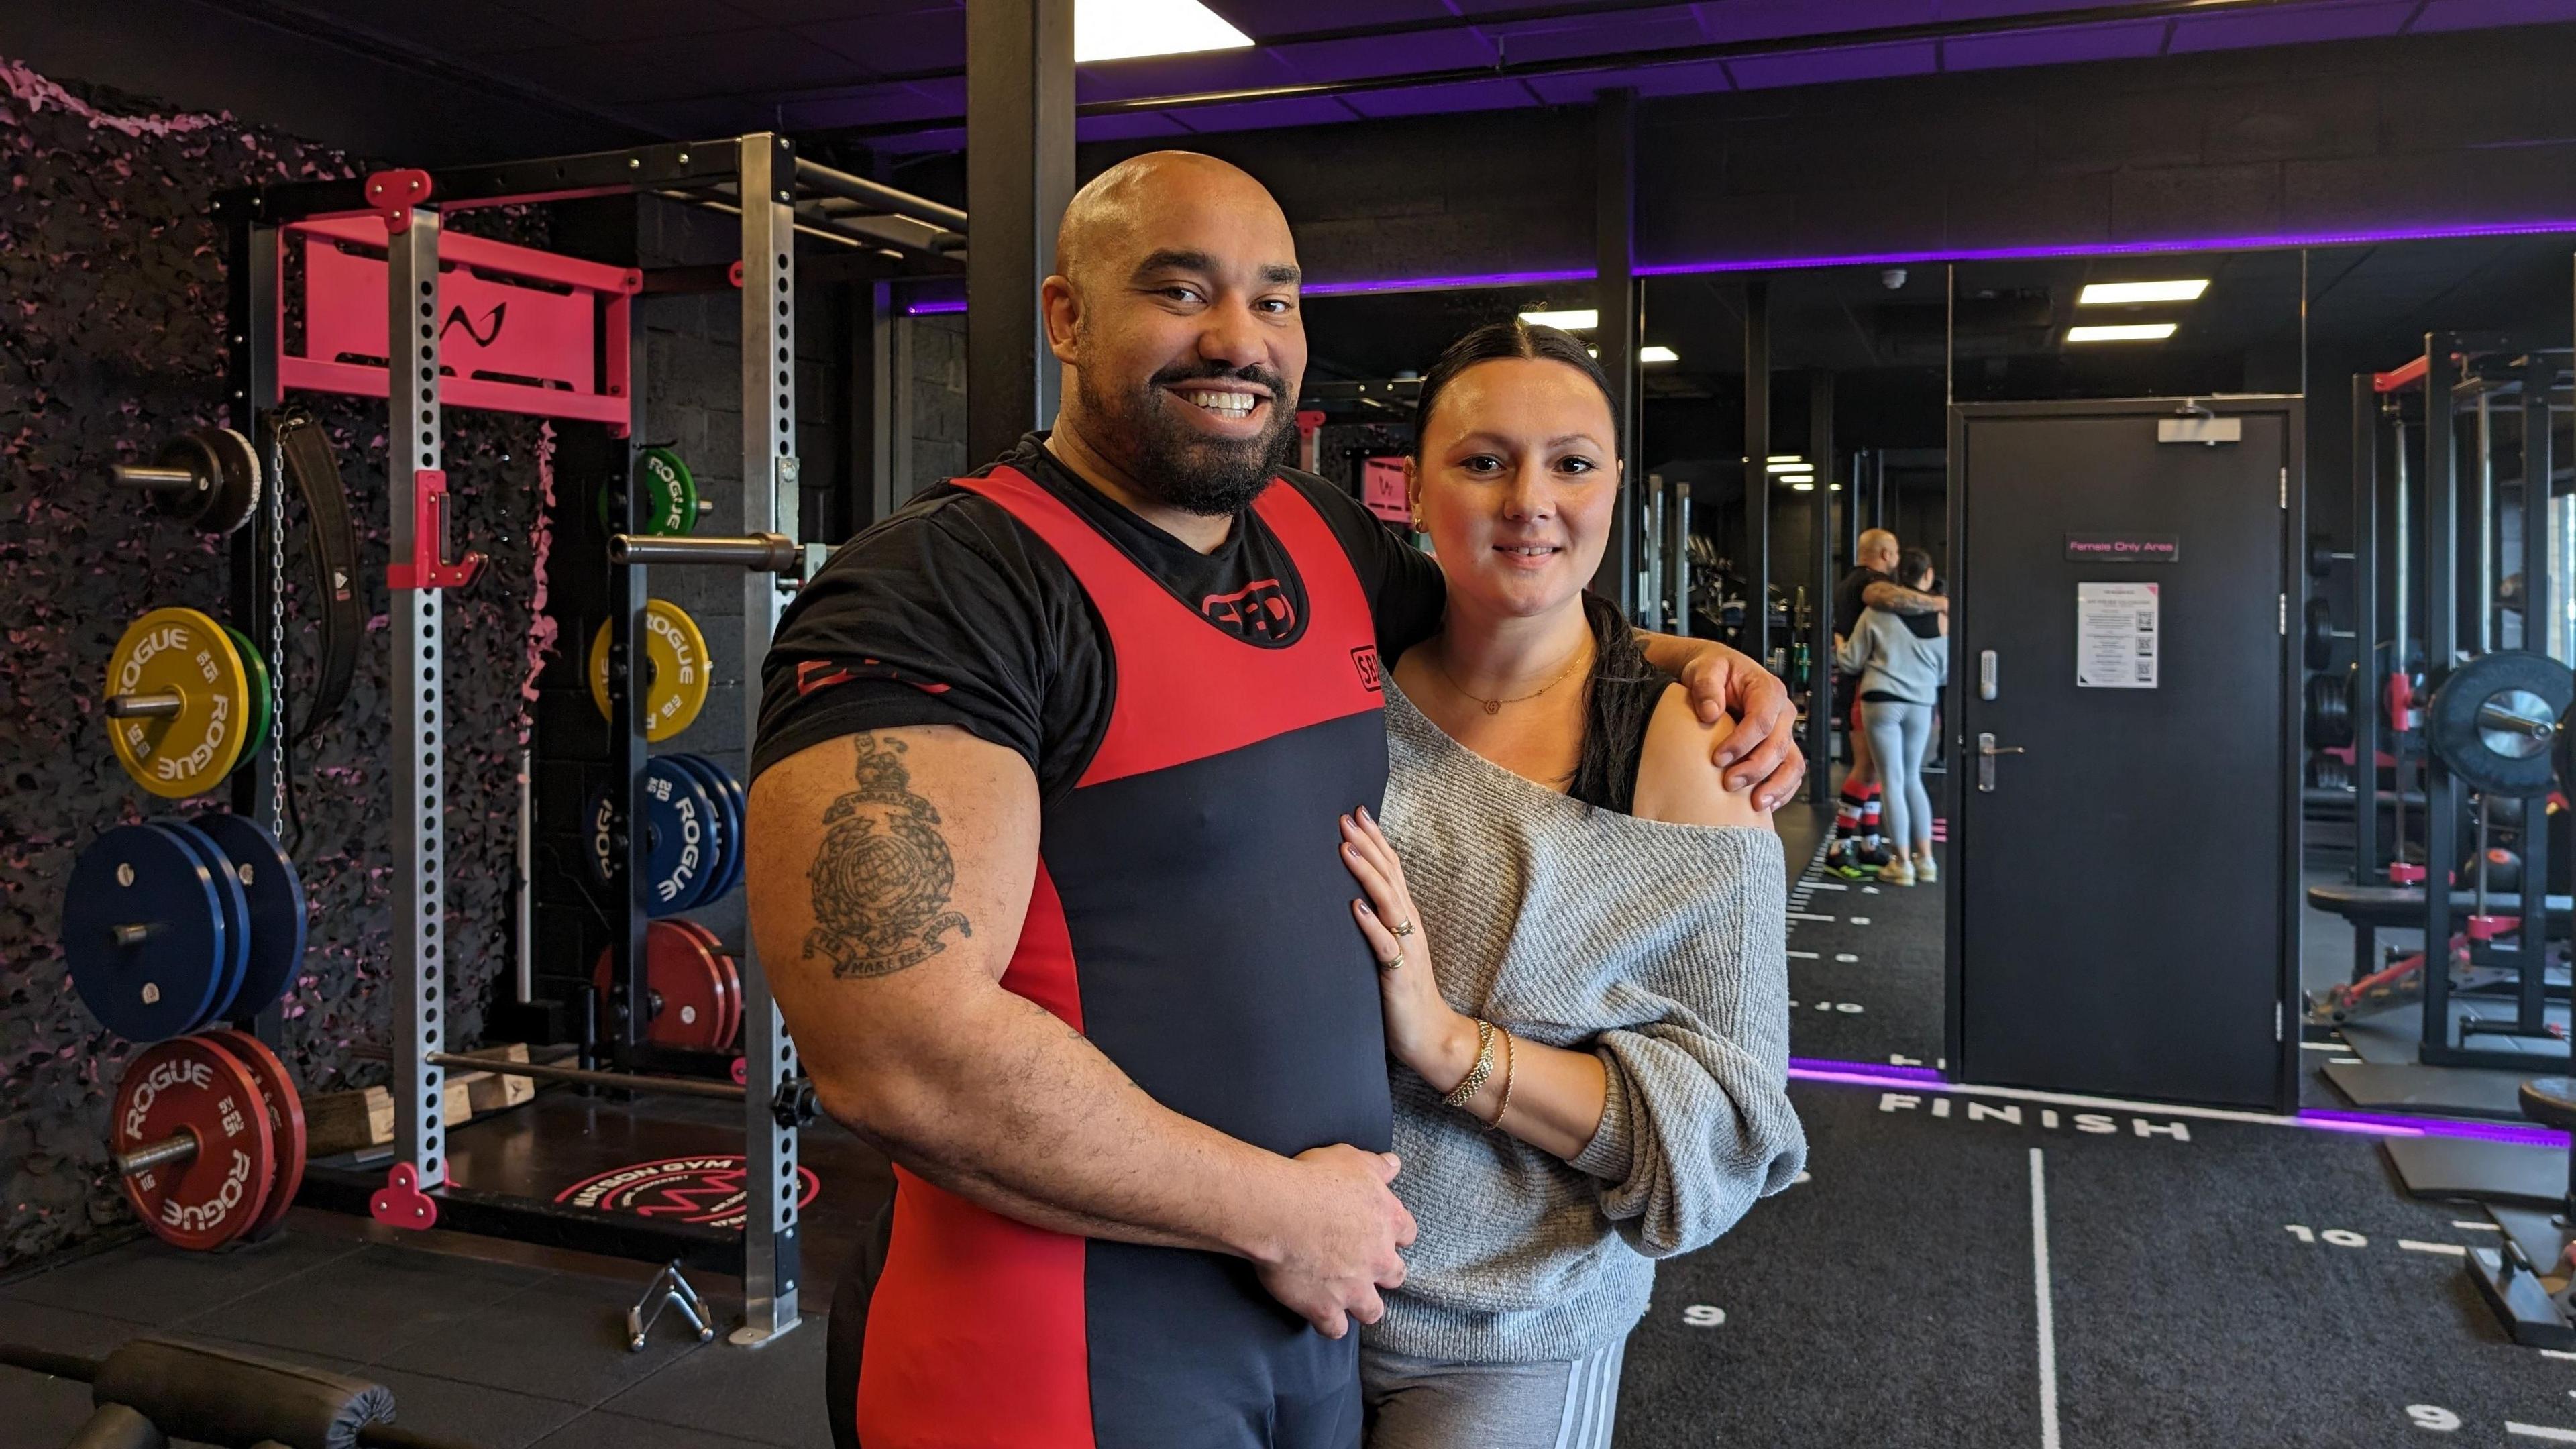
1789	464
1657	354
1807	487
1578	319
1128	29
2115	294
2122	332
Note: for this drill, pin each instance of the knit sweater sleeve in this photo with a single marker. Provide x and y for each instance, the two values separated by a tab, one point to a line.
1696	1124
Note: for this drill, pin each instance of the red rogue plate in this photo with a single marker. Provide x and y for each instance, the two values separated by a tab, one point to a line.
285	1118
186	1085
680	968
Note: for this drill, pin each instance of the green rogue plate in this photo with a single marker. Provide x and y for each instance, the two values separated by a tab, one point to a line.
263	694
670	494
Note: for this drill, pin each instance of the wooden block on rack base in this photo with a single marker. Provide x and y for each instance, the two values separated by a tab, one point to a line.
491	1091
336	1122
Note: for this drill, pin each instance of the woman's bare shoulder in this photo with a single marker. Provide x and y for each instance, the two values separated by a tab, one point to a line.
1677	782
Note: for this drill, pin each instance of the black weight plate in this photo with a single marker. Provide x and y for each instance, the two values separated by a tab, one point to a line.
236	490
2317	637
276	899
229	899
158	986
2480	755
721	829
189	453
2329	712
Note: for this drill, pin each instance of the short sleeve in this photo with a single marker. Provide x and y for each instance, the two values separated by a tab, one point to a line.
935	616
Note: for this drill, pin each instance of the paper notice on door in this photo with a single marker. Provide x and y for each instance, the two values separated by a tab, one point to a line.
2115	636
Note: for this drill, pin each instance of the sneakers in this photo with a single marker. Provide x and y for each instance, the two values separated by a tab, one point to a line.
1897	872
1925	872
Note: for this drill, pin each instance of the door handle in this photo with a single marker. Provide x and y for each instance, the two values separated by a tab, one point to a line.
1987	749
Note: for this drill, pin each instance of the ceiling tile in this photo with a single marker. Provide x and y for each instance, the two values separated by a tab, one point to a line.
1261	19
918	40
921	142
462	27
865	106
635	19
2119	40
1253	115
1483	95
2291	26
1688	79
1770	19
1216	70
807	12
1395	55
1823	67
1561	39
1127	128
746	62
2470	14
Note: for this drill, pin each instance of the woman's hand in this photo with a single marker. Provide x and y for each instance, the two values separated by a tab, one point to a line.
1422	1030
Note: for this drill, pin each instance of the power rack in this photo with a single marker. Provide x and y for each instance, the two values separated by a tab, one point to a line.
580	362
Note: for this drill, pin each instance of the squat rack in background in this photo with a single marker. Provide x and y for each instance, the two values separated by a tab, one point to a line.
777	197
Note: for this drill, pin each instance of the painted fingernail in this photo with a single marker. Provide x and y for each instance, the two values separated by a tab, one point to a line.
1363	812
1365	906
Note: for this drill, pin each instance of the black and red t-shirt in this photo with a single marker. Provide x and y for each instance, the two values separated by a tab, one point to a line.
951	612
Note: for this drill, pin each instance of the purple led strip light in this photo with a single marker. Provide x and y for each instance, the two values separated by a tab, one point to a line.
930	306
2376	1124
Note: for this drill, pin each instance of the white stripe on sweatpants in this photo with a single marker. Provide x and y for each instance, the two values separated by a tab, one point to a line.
1592	1398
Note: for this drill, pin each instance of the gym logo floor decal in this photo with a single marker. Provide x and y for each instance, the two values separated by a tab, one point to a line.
706	1190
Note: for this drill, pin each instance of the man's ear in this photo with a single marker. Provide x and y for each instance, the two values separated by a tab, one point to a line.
1063	309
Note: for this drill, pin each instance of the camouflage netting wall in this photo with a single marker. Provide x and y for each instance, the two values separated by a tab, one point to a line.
112	297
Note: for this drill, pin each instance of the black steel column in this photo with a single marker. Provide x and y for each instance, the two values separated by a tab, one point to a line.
1860	475
1820	592
1619	325
1755	566
2441	591
1019	174
2366	673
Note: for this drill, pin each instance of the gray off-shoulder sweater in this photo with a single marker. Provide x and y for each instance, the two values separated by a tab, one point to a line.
1660	948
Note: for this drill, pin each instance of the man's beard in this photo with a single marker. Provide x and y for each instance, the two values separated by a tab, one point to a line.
1175	464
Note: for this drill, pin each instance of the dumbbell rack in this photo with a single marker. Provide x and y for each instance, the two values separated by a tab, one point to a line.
776	195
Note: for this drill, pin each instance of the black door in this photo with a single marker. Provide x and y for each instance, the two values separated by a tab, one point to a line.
2123	862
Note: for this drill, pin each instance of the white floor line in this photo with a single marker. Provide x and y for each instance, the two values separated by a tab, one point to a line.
2047	1313
1802	955
2556	1353
1829	885
2069	1099
2475	1227
2323	1046
2541	1431
1808	916
2451	1250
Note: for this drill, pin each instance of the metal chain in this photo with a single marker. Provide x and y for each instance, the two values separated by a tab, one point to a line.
277	630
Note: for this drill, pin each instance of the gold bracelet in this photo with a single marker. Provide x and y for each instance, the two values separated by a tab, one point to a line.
1511	1055
1474	1081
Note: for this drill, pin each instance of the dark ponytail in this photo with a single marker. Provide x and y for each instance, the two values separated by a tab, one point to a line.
1614	709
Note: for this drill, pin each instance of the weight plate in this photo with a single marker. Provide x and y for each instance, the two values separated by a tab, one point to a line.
680	970
181	652
263	694
276	899
230	902
724	833
143	934
675	672
235	495
2321	556
2318	635
192	1087
2494	720
189	453
729	979
668	491
2329	713
285	1118
729	798
678	819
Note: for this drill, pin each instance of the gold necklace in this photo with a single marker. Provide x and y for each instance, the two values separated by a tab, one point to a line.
1494	706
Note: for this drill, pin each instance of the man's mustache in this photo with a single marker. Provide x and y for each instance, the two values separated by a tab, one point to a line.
1218	372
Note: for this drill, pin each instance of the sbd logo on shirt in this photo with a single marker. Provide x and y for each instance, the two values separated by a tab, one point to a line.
1364	659
1260	611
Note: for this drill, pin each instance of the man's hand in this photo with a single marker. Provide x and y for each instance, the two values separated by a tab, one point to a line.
1337	1243
1764	745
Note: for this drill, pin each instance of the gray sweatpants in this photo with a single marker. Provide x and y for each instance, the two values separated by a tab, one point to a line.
1421	1403
1899	736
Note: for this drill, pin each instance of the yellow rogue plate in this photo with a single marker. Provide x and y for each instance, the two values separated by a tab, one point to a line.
675	670
184	654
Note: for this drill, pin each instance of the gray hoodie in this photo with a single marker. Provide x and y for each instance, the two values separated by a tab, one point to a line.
1890	657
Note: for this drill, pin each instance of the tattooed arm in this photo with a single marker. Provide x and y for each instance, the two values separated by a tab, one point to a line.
889	874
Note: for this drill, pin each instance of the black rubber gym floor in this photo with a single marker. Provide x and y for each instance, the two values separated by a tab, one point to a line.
1957	1269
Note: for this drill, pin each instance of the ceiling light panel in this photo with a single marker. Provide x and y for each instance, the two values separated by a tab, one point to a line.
1129	29
1579	319
2123	332
2131	294
1657	354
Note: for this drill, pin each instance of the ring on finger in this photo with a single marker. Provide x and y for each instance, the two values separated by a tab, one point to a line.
1391	962
1400	932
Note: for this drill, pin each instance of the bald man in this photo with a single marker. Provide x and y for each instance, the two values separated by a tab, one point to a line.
1043	834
